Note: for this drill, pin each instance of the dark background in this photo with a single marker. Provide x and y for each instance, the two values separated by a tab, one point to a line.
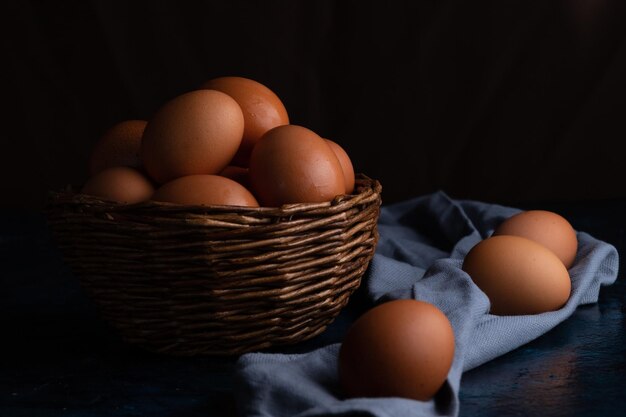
503	101
518	102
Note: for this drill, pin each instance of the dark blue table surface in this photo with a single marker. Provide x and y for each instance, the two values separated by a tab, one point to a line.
60	359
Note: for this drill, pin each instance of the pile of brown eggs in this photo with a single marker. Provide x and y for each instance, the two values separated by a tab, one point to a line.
227	143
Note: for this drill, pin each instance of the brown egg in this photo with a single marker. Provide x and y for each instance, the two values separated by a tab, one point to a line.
346	165
262	110
401	348
237	174
195	133
518	275
121	184
292	164
545	227
119	146
205	190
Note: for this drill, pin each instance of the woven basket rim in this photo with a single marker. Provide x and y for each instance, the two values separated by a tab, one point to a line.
365	188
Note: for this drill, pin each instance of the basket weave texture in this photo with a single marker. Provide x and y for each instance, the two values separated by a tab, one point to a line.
217	280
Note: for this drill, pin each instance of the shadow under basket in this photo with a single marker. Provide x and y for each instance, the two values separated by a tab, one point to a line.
217	280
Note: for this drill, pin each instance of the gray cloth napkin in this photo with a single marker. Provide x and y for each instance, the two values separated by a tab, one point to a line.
422	245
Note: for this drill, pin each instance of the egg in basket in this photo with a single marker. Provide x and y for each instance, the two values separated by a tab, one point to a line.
217	227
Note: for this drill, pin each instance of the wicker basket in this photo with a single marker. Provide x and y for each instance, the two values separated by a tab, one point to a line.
195	280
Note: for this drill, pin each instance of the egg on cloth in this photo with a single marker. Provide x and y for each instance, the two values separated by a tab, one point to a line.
205	190
545	227
293	164
122	184
237	174
518	275
401	348
195	133
262	110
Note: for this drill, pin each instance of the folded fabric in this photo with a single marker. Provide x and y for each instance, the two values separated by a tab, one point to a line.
422	245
